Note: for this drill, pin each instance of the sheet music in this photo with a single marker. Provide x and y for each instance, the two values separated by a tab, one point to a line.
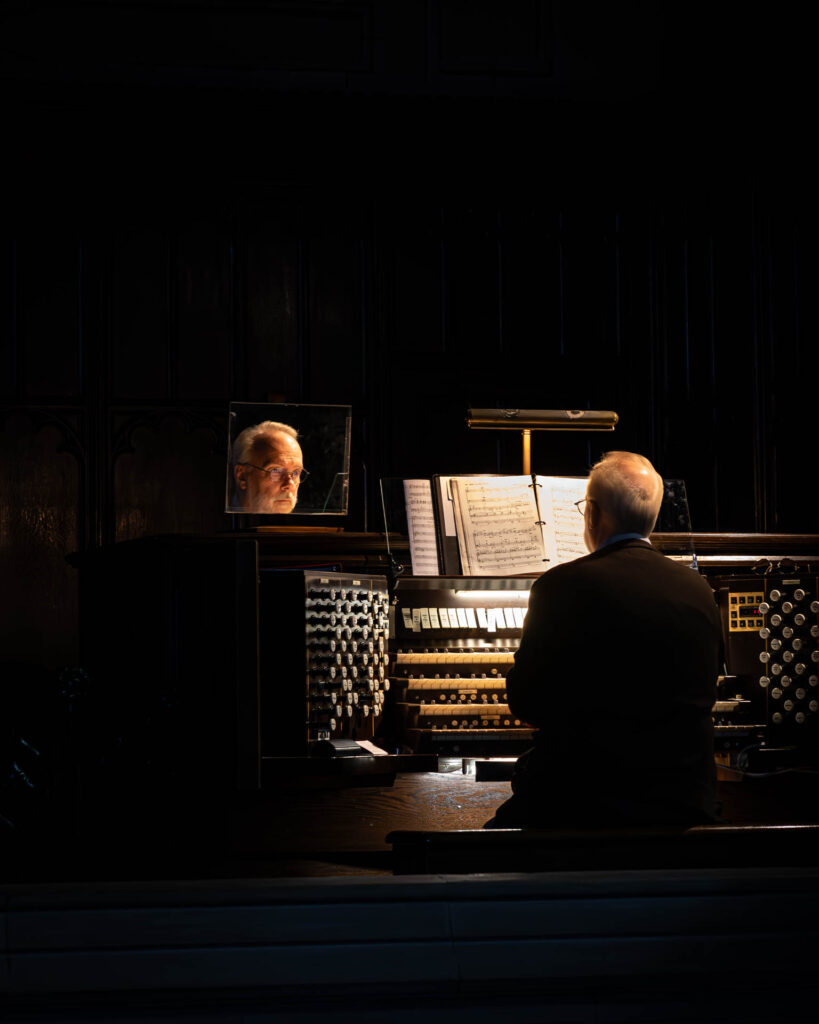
496	522
449	544
564	525
421	528
497	527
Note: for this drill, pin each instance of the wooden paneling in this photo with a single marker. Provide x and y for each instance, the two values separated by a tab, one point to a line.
554	946
8	318
39	509
171	477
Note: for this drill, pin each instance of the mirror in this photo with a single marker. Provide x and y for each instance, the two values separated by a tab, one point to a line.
288	458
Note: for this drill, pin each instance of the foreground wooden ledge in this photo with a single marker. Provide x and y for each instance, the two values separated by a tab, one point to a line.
585	935
466	851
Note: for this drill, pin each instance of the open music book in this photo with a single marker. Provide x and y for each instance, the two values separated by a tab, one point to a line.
521	524
493	525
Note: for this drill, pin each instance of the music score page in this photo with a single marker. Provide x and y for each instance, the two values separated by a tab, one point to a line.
563	531
421	527
503	530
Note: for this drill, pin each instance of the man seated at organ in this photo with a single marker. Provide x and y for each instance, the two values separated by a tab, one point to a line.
267	468
617	670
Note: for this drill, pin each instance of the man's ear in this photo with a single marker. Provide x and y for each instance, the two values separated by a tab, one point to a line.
239	477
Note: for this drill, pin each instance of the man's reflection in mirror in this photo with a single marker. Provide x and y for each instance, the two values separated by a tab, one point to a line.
267	468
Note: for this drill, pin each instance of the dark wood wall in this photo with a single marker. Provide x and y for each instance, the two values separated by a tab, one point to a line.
411	208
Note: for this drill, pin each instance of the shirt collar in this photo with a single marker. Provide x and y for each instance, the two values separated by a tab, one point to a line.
623	536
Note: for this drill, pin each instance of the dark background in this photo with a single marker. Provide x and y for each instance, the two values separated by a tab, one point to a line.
409	207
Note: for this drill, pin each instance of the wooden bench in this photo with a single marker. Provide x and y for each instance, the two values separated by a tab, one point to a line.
469	851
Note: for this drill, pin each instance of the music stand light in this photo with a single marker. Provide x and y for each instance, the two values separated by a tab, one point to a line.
527	420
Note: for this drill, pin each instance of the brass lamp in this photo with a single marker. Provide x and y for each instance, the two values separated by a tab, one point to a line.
527	420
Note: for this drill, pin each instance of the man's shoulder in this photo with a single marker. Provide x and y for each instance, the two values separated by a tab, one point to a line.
602	557
647	558
630	556
566	572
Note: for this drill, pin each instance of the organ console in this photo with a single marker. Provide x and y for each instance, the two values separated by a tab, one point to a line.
239	655
455	637
217	666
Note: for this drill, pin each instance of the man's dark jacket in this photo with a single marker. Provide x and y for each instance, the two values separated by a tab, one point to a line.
617	668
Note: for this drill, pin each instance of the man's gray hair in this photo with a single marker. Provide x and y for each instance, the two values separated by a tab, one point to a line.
252	439
629	489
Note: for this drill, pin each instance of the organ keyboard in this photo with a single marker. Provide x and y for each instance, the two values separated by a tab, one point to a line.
454	640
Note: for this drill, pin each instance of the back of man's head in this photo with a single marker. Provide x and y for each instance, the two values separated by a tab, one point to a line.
629	490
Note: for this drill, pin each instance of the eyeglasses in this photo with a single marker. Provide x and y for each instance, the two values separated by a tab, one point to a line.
578	504
278	472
